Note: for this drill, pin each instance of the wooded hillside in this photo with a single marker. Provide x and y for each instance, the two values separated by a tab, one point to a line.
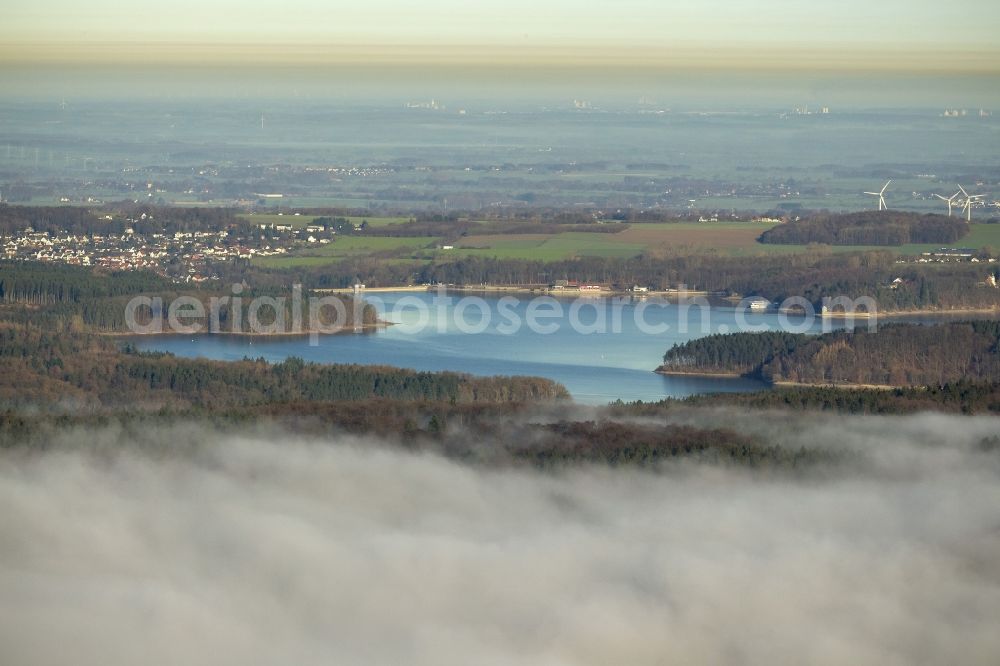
97	301
66	369
896	355
868	228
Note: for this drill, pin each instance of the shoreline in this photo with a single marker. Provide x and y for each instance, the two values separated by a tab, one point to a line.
374	290
693	373
846	385
848	315
781	383
548	291
940	313
249	334
668	293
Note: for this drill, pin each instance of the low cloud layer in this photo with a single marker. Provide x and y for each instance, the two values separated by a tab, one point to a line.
236	549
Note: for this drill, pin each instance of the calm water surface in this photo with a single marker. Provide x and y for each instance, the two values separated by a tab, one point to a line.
599	349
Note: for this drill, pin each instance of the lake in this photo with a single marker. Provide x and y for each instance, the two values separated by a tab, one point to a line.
601	349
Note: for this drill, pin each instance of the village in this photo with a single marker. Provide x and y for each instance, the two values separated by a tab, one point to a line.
185	256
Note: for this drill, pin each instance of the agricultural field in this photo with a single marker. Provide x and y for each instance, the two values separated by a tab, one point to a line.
740	239
546	247
378	221
737	238
721	238
982	235
353	245
346	246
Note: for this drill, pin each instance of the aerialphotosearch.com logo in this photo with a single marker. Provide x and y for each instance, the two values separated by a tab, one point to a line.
319	315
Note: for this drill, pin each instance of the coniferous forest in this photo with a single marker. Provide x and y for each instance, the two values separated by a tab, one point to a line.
895	355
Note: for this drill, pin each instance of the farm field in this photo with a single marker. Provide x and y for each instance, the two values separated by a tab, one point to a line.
736	238
378	221
546	247
725	238
740	239
345	246
981	235
721	237
350	245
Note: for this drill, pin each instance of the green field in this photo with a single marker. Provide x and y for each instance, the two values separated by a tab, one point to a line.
343	247
546	247
378	221
352	245
667	239
980	235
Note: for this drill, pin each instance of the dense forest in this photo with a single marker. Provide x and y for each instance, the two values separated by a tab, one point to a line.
36	283
868	228
504	434
895	355
519	433
97	301
963	397
62	368
734	353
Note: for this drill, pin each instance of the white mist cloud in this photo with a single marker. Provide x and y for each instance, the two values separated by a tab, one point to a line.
237	550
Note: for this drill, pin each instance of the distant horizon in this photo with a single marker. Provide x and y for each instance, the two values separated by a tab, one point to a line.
892	35
499	86
787	57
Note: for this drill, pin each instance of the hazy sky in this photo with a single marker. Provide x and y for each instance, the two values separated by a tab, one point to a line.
649	30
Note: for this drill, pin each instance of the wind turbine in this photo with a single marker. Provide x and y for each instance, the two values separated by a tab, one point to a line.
970	199
881	199
949	200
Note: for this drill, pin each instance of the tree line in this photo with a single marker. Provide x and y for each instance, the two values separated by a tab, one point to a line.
38	283
99	300
895	355
961	397
42	367
493	434
868	228
810	275
78	220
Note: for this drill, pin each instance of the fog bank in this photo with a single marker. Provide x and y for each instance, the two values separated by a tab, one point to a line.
192	547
